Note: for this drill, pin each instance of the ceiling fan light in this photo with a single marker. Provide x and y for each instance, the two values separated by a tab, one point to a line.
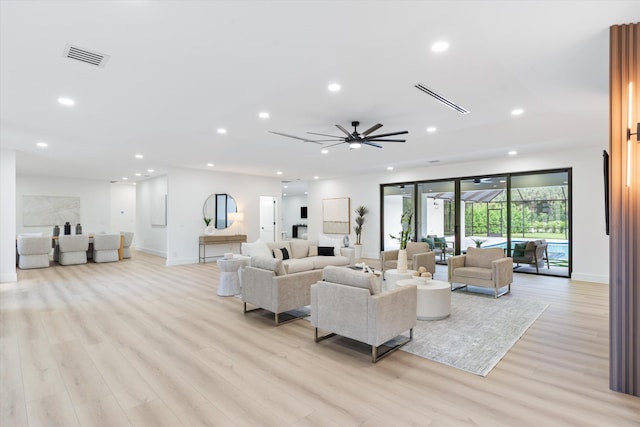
355	145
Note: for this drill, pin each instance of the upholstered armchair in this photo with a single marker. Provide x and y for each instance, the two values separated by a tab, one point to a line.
485	267
266	285
351	304
533	252
418	255
105	247
126	244
72	249
33	251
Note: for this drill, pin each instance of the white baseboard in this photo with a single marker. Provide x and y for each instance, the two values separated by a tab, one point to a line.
151	252
590	278
182	261
8	277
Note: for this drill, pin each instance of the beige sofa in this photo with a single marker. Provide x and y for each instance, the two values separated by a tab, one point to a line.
300	255
485	267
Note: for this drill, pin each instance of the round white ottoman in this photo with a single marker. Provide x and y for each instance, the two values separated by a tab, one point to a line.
392	276
434	298
229	279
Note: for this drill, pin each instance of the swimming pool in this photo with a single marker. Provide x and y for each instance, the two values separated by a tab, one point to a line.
556	250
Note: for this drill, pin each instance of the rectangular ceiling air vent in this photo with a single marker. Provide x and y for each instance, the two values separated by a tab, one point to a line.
86	56
442	99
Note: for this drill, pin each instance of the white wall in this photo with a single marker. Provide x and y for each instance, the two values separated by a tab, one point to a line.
95	201
291	212
123	207
187	191
590	244
149	238
8	216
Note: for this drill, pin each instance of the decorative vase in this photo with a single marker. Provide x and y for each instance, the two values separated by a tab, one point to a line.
358	251
209	230
402	261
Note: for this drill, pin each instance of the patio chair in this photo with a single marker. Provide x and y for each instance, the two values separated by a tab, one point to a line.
533	252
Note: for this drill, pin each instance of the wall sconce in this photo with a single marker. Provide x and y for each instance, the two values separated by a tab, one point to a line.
629	133
235	216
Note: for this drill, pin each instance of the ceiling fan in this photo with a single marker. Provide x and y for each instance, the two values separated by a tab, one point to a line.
354	139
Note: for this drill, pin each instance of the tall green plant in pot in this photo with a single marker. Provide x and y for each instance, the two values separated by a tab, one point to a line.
403	237
360	211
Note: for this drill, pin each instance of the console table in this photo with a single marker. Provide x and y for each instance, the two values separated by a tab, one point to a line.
217	240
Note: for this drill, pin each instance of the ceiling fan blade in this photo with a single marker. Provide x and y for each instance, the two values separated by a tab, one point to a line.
389	134
367	142
371	129
333	145
344	130
324	134
385	140
295	137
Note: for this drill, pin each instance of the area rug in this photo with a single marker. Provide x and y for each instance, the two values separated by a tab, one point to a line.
477	334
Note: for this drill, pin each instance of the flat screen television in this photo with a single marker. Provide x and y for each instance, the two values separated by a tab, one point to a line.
303	211
605	163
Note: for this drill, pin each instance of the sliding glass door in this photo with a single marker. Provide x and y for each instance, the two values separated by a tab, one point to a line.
506	211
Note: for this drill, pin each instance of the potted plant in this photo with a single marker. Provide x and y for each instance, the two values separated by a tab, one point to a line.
478	242
405	220
360	211
208	229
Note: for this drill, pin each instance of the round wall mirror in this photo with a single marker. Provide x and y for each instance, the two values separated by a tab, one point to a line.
216	207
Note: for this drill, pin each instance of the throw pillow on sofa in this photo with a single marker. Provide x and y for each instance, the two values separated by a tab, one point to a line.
257	248
326	251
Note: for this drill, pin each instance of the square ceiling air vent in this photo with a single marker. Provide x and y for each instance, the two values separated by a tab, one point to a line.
85	55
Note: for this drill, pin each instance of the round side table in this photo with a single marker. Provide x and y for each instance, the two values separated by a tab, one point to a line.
229	279
434	298
393	275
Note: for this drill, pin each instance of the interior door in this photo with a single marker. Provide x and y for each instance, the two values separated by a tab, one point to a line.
268	218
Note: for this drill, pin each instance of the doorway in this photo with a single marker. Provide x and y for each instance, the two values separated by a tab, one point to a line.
268	218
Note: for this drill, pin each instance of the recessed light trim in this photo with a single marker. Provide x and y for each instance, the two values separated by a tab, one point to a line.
263	115
316	177
440	46
324	151
512	153
432	129
66	101
139	156
389	168
334	87
279	173
42	144
221	131
150	170
138	174
210	165
124	178
517	111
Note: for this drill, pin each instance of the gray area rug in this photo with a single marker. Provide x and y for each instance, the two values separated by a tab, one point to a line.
477	334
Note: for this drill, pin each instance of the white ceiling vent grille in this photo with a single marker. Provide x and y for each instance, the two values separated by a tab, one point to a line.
442	99
86	56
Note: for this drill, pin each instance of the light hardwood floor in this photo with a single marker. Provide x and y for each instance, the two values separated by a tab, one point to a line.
138	343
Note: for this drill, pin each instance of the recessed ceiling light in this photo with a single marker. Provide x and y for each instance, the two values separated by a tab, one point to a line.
150	170
66	101
138	174
316	177
389	168
285	186
279	173
440	46
263	115
324	151
139	156
431	129
512	153
284	194
517	112
210	165
42	144
334	87
222	130
306	192
124	178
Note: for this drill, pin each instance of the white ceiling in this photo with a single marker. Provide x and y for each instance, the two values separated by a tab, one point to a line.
178	70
